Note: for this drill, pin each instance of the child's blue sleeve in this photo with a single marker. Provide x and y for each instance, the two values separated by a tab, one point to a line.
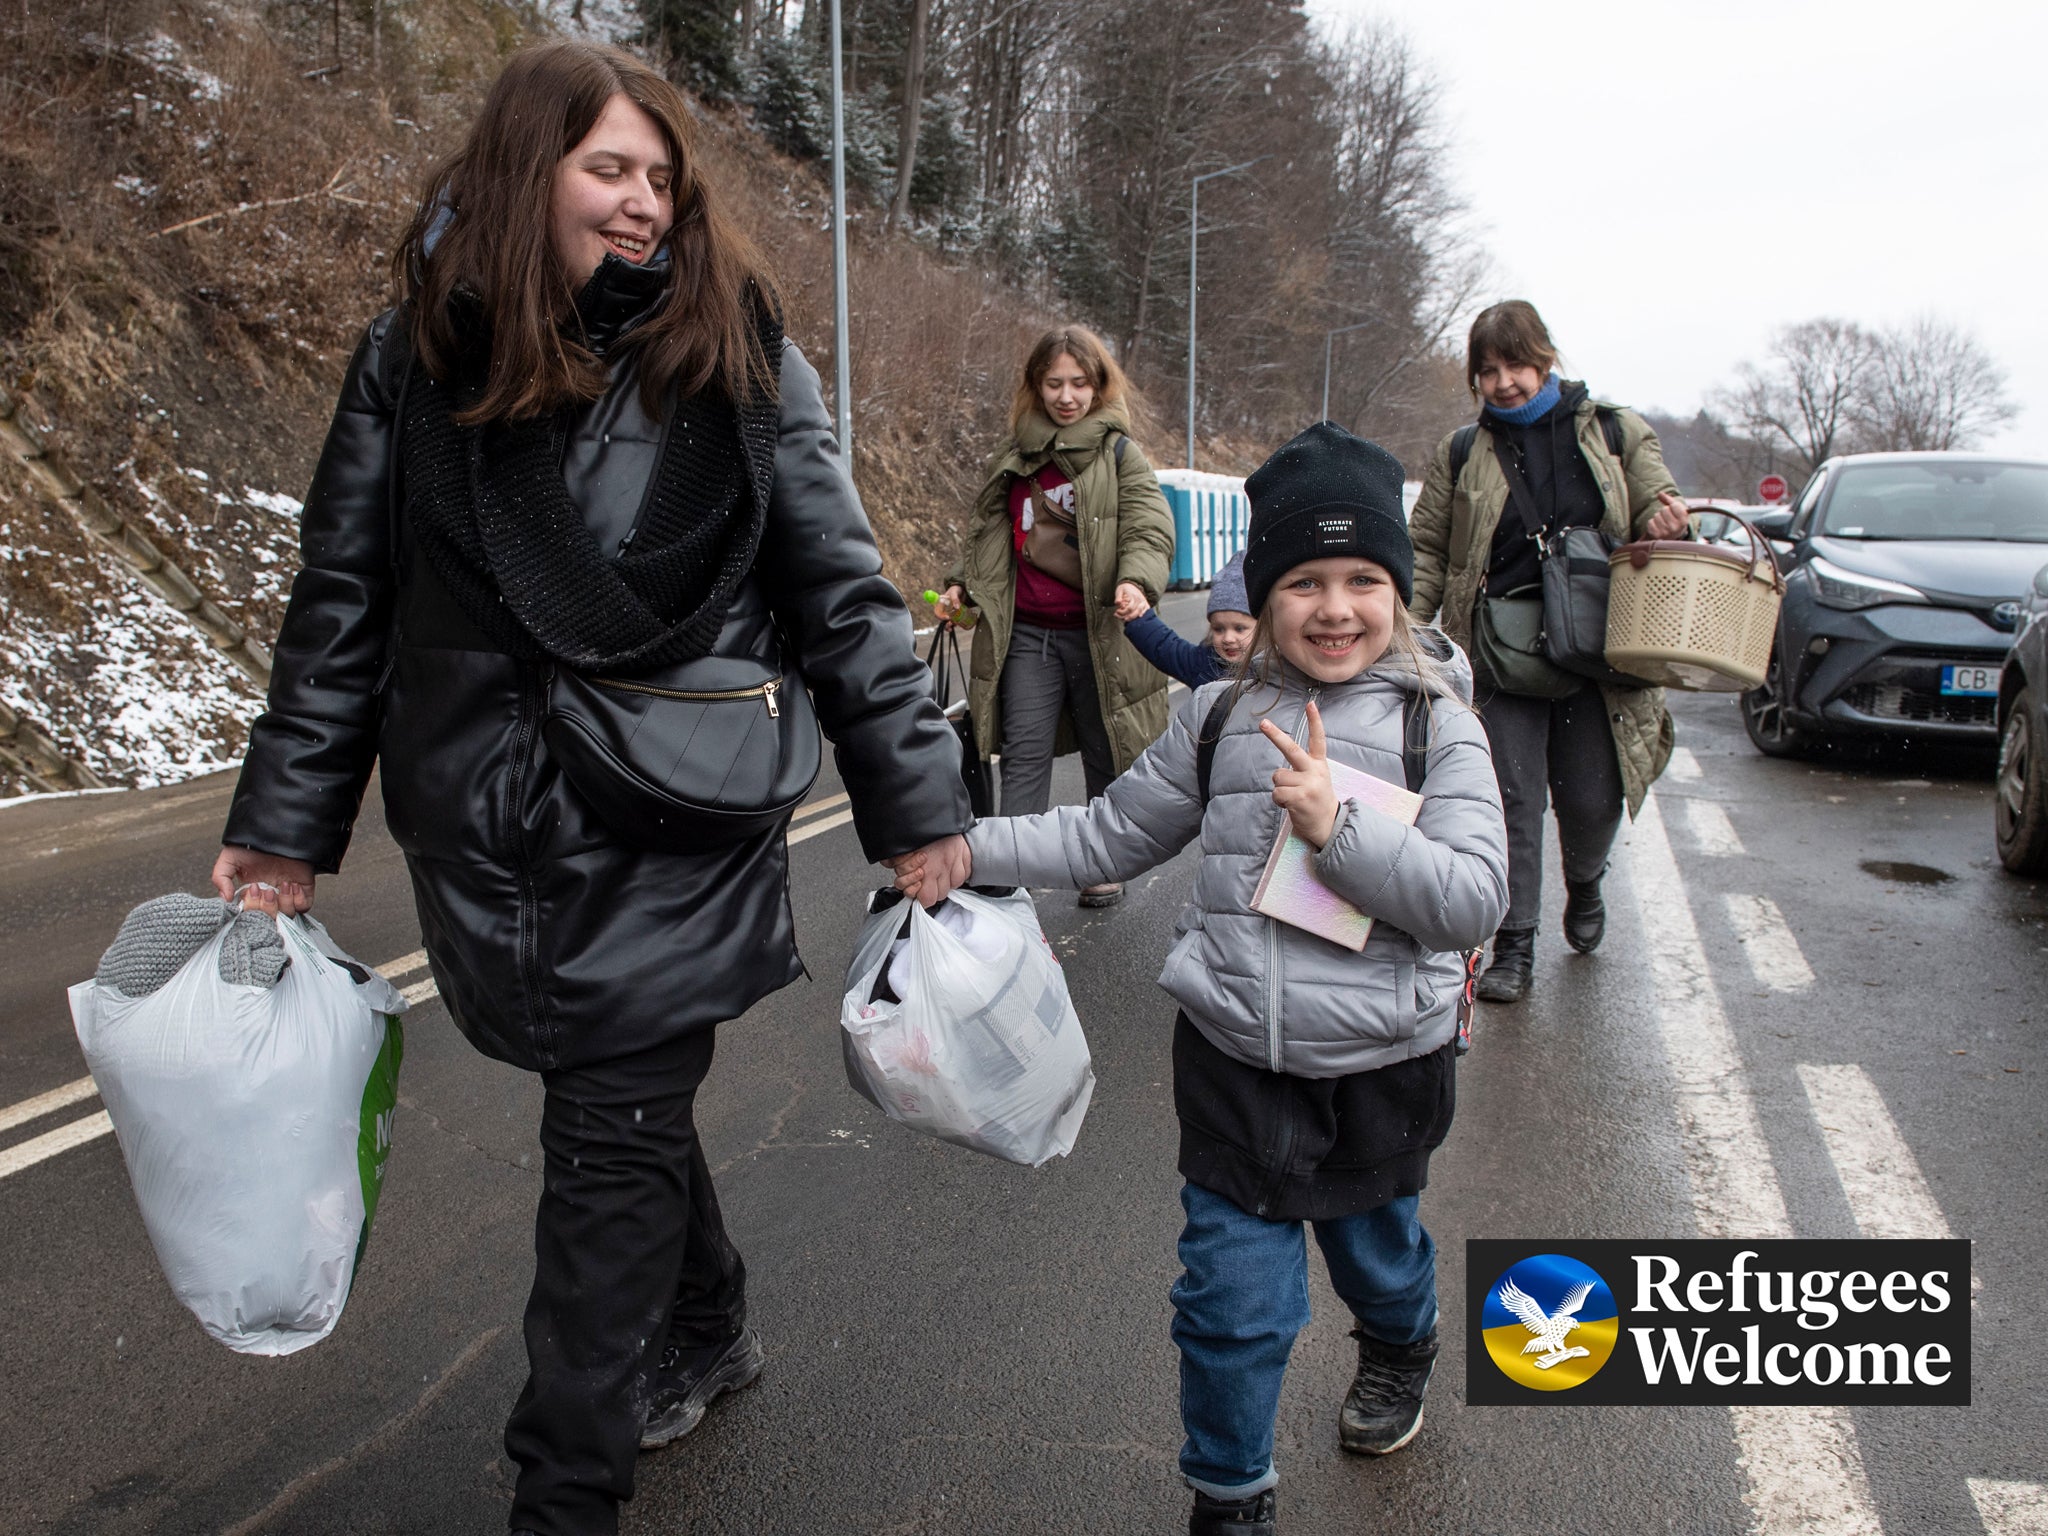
1192	664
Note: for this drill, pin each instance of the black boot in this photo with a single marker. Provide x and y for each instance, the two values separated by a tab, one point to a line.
1514	960
1585	914
1233	1517
1383	1410
687	1381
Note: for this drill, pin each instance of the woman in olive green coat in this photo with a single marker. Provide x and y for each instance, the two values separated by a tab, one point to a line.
1070	536
1596	749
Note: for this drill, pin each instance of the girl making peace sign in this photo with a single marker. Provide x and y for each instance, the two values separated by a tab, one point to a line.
1312	1082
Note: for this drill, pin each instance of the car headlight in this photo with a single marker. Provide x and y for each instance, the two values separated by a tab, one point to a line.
1845	589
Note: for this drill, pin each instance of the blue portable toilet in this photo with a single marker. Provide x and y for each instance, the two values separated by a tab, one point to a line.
1210	515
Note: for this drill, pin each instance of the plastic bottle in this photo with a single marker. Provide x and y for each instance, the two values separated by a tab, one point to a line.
963	619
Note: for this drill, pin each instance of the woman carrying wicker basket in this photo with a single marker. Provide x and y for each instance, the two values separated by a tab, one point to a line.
1589	749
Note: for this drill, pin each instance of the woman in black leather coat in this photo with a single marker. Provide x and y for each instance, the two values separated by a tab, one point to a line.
595	391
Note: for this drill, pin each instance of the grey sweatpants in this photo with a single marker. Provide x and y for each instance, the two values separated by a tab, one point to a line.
1564	747
1047	672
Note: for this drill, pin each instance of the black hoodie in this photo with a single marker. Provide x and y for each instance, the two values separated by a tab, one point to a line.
1558	477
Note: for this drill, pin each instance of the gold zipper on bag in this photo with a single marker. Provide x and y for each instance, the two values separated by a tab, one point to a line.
763	691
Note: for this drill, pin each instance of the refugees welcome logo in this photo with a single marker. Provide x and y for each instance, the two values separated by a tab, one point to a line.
1849	1323
1550	1322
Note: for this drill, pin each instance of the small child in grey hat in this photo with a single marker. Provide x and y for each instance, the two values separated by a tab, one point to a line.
1230	633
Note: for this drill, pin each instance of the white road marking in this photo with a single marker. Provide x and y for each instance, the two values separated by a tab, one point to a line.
1683	767
421	991
1711	829
812	829
1881	1179
1803	1465
404	965
28	1153
2010	1509
813	807
1774	955
47	1103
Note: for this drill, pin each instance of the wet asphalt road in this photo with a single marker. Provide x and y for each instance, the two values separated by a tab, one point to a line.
960	1346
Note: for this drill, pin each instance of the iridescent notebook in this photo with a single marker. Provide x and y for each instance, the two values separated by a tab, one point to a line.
1289	891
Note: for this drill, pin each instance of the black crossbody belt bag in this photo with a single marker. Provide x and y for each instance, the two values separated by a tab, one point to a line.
698	755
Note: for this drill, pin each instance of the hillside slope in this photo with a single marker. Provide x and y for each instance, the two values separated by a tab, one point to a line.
196	211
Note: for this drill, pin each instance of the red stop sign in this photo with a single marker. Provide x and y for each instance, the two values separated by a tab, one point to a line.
1772	488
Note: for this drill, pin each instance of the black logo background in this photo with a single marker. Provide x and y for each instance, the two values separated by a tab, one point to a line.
1621	1380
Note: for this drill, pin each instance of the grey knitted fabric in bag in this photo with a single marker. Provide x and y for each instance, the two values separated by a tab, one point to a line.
158	937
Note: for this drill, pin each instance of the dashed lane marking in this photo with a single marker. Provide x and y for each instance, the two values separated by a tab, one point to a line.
47	1103
1683	767
812	829
2010	1509
404	965
28	1153
1881	1179
1774	956
1803	1466
421	991
1711	830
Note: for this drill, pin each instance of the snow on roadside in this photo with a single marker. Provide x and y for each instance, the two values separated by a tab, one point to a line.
125	685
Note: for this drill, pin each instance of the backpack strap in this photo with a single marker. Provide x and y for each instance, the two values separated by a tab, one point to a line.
1117	451
1461	449
1206	739
1415	741
1611	429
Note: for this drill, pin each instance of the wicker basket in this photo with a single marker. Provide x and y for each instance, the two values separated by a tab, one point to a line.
1693	616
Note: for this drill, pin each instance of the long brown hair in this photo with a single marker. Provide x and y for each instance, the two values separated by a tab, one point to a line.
1087	349
1513	332
493	201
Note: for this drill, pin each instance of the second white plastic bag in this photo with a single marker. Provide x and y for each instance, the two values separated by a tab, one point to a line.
959	1026
255	1123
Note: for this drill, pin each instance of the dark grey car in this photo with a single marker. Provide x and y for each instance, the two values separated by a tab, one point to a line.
2020	813
1905	578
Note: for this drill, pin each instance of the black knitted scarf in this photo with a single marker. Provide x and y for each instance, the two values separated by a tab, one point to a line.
493	516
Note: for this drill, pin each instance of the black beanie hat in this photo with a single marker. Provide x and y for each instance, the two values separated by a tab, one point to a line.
1326	493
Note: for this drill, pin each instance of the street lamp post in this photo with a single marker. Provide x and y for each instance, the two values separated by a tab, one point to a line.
1194	246
842	364
1328	337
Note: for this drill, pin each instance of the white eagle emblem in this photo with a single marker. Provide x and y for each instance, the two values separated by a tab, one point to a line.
1550	1328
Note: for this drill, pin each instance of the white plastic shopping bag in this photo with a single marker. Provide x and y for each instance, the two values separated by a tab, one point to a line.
957	1023
255	1123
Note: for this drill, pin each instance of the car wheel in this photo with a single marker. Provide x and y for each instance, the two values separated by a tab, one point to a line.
2020	806
1764	716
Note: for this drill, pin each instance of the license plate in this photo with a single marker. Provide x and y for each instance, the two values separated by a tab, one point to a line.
1971	682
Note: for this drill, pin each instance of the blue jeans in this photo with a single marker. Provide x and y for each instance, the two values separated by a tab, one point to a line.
1243	1298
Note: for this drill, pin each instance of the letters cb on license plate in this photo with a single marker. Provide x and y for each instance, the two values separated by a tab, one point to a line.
1973	681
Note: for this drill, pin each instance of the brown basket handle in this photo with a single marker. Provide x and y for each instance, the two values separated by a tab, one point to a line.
1640	550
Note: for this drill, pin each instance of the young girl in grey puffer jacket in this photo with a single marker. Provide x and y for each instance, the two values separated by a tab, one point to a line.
1311	1081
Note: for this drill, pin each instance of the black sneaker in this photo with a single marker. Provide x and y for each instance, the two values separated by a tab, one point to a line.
1383	1409
689	1379
1514	962
1585	915
1233	1517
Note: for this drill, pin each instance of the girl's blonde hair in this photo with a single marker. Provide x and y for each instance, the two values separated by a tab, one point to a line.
1085	348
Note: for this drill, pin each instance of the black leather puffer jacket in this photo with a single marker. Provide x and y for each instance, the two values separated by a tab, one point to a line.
554	941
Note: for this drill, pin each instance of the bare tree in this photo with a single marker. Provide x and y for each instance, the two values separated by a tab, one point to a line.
1811	391
1933	388
911	110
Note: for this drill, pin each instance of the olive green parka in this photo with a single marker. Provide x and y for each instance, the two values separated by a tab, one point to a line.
1126	534
1453	527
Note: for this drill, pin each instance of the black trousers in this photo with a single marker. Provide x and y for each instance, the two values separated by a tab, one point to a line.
630	1254
1560	750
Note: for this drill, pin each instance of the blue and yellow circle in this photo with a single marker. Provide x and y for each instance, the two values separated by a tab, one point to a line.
1550	1322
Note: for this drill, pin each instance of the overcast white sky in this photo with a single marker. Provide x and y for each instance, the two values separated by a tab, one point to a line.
1667	182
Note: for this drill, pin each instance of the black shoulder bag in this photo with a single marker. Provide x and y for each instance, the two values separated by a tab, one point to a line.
946	665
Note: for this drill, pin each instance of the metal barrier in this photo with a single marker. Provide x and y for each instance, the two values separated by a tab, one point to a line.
1210	515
